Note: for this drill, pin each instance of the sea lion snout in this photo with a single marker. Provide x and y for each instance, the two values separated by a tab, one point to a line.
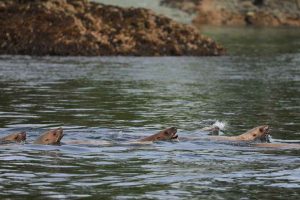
50	137
14	137
266	131
173	132
21	136
59	134
164	135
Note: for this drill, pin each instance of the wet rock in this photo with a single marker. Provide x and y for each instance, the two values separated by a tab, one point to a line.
241	12
249	12
80	27
188	6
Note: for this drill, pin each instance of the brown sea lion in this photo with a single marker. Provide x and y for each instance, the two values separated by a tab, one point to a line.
50	137
164	135
14	137
257	134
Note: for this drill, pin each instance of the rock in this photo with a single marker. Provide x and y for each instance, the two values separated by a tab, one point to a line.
188	6
241	12
83	28
248	12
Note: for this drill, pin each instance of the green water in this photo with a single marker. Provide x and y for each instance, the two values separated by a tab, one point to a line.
121	99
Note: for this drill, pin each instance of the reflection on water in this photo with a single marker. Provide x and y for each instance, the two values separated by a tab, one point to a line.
257	41
121	99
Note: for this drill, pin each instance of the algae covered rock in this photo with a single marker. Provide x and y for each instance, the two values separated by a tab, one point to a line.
266	13
83	28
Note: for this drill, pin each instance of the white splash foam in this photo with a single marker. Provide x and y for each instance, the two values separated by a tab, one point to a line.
222	125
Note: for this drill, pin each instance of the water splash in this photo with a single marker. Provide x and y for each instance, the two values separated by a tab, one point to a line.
217	125
221	124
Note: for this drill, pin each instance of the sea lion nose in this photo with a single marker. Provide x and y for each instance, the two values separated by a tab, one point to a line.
23	134
268	129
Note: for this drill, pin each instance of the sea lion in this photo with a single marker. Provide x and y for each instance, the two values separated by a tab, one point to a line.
50	137
164	135
257	134
54	136
14	137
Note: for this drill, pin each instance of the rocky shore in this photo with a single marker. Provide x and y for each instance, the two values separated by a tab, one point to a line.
249	12
83	28
188	6
266	13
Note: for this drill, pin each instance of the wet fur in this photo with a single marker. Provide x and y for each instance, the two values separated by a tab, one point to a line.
258	134
50	137
14	137
167	134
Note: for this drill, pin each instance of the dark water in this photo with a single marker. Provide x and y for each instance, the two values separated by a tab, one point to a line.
120	99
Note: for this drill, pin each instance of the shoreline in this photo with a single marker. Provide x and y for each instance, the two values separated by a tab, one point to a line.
83	28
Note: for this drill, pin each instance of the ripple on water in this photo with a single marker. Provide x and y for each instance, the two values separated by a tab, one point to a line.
118	99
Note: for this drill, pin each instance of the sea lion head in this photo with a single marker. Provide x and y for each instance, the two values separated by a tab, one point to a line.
257	134
15	137
50	137
166	134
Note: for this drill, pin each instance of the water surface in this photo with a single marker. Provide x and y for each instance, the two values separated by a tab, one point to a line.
120	99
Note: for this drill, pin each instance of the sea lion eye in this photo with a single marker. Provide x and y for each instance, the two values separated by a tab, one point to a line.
254	135
54	134
46	140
